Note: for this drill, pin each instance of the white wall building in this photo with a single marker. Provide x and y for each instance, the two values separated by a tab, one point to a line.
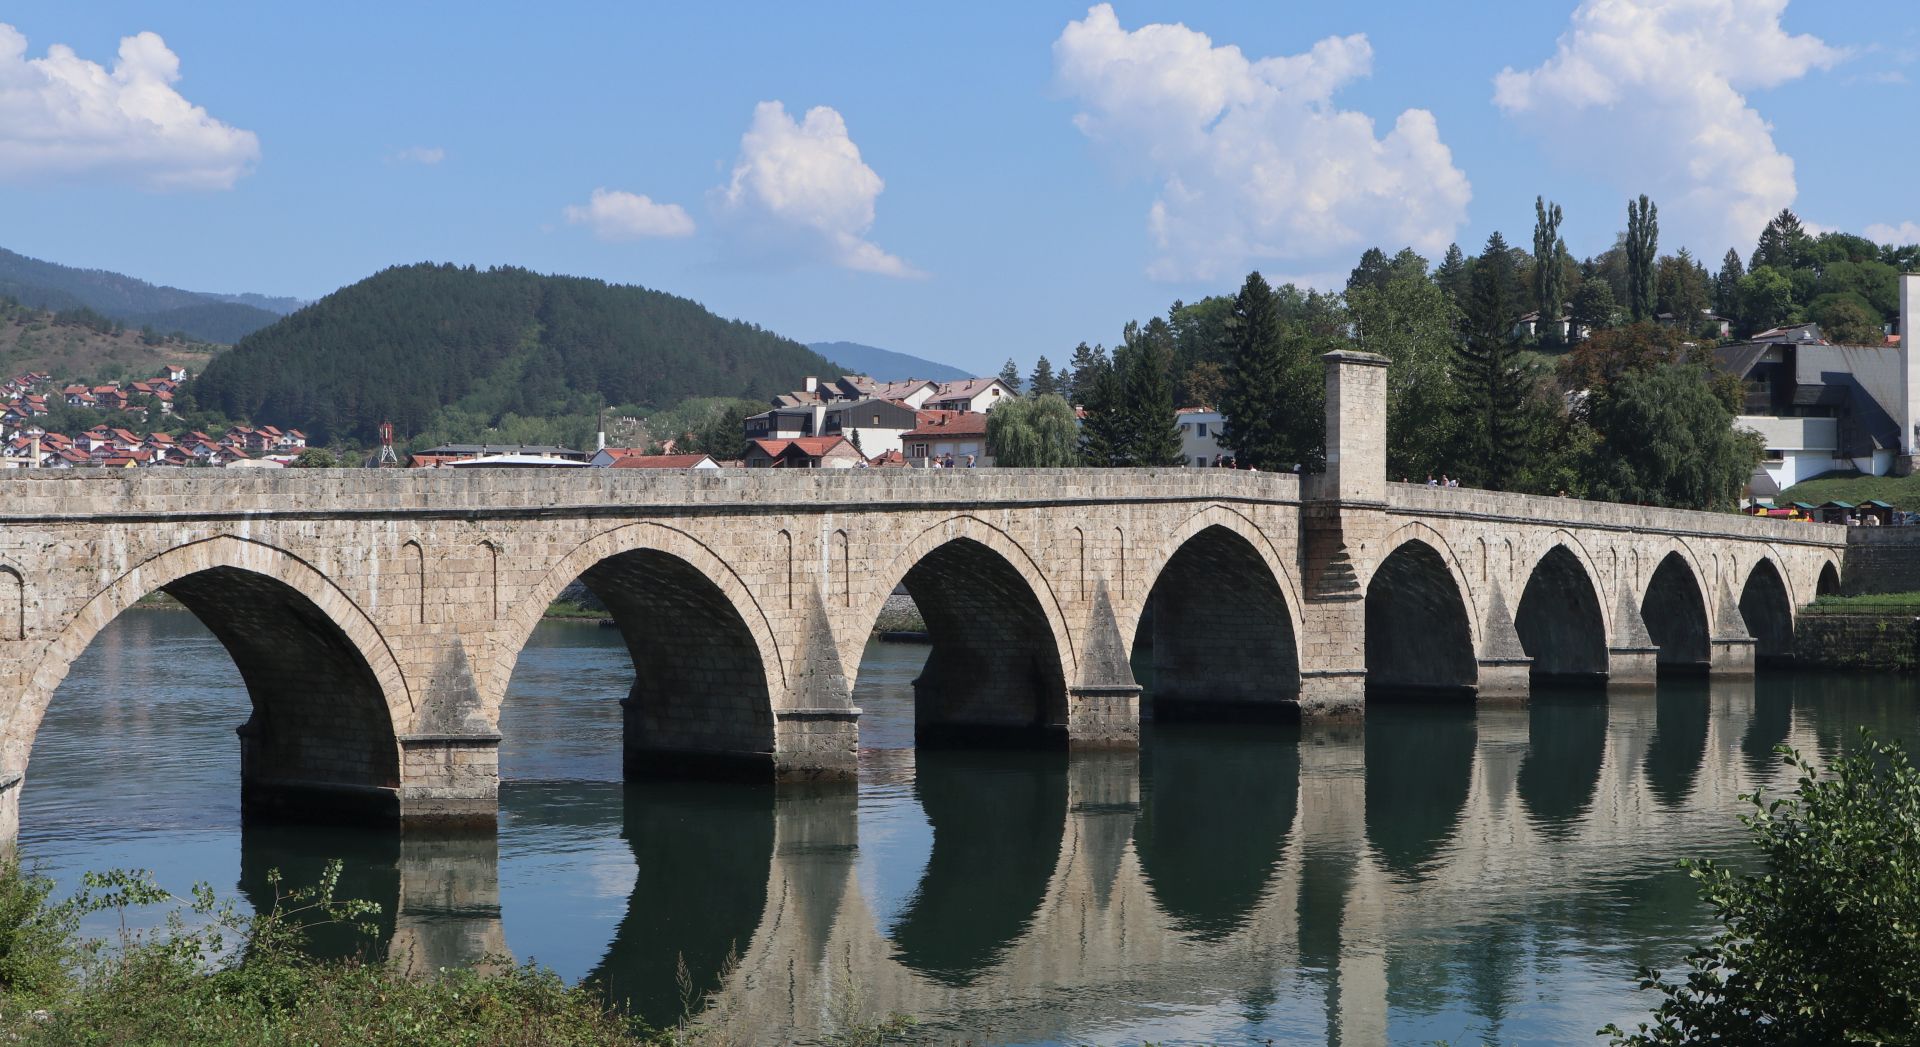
1199	429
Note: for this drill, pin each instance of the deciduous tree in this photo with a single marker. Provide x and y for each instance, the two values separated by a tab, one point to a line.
1642	246
1820	941
1035	431
1665	437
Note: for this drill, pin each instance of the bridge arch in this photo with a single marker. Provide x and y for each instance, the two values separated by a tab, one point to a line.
1766	605
1422	630
328	696
1220	617
1829	581
1001	650
1674	607
1561	618
708	670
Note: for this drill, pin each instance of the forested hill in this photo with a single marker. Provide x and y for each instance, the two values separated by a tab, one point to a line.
136	303
407	343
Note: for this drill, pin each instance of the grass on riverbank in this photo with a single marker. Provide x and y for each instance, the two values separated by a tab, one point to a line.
1900	491
1867	603
246	979
214	976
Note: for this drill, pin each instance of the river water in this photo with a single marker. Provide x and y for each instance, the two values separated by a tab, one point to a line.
1438	873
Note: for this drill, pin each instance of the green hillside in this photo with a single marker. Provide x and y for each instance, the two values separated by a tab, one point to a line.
82	344
422	344
136	303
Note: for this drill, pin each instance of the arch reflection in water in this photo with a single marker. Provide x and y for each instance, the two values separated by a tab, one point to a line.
1419	770
703	854
1216	805
1566	744
1681	716
997	819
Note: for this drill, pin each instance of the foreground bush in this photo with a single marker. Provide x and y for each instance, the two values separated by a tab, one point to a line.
248	980
1822	946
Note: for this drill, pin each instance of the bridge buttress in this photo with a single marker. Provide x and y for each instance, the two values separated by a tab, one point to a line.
1732	650
1633	659
1505	671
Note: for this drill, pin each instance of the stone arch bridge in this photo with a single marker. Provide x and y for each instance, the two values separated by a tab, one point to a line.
376	616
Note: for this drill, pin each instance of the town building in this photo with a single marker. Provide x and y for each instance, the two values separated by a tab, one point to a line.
806	452
873	425
1200	429
958	438
1821	407
666	461
448	454
803	412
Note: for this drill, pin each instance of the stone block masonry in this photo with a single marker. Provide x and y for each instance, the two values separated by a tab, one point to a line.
376	616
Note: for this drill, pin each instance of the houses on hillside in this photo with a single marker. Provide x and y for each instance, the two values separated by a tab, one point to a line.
874	417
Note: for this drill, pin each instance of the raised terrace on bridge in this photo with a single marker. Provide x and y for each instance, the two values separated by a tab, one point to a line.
376	616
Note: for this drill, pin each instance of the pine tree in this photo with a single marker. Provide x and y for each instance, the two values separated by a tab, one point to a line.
1549	251
1087	362
1454	277
1103	433
1043	382
1256	374
1643	244
1783	244
1493	386
1010	376
1726	285
1153	433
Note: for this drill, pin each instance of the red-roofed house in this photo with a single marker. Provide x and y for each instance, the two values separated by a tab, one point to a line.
806	452
948	438
665	461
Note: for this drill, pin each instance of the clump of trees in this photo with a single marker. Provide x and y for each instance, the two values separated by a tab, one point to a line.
1509	369
1820	944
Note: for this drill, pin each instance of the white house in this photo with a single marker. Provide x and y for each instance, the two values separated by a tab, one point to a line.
978	395
1199	429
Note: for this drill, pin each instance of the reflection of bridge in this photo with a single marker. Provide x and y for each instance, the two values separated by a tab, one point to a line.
1069	897
376	616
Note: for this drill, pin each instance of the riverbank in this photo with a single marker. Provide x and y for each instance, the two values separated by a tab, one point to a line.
1867	631
250	979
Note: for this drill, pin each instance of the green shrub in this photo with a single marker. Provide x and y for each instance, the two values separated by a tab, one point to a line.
1822	945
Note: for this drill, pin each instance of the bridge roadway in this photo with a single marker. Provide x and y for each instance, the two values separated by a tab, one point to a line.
1337	852
376	616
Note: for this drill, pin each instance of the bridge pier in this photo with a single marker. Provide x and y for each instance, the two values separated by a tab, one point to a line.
1732	657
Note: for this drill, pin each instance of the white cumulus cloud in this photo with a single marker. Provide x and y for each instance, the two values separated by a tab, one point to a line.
424	155
1650	93
1255	161
614	214
62	116
1899	235
800	190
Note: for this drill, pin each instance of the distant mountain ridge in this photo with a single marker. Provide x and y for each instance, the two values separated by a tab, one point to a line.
885	365
224	318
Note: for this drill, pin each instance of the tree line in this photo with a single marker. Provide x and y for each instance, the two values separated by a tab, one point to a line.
1510	369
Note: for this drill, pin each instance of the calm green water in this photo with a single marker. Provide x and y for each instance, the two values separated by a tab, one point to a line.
1436	874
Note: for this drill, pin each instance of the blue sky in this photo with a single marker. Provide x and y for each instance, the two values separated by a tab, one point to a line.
1004	182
